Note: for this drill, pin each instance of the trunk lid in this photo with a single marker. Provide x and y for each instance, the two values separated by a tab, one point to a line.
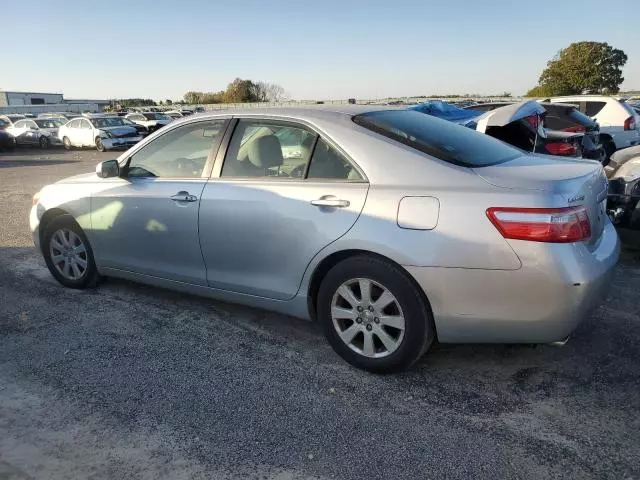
580	182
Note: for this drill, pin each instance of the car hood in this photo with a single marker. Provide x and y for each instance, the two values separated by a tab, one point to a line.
119	130
81	178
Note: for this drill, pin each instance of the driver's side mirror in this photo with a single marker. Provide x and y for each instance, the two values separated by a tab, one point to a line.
108	169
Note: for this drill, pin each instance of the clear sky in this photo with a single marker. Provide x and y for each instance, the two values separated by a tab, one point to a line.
315	49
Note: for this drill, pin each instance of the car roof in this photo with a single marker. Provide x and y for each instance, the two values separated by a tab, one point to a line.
606	98
319	112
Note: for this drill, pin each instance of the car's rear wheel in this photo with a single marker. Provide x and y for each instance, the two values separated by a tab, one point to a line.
67	143
68	254
44	142
100	145
373	315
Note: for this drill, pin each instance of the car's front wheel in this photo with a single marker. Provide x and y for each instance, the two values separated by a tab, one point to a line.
67	143
68	254
100	145
373	314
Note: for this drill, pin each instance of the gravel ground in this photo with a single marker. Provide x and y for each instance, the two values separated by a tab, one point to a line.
128	381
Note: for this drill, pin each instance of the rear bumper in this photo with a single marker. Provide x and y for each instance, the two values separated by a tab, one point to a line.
123	142
542	302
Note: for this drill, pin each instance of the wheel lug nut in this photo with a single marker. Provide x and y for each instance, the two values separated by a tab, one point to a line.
359	320
369	327
359	308
370	308
376	320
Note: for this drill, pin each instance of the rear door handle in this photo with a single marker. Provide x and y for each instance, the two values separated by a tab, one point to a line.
184	197
330	202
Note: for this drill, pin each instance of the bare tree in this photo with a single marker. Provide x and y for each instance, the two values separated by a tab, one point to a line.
270	92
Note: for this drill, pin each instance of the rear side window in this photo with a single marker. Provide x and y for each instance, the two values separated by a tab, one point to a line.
439	138
593	108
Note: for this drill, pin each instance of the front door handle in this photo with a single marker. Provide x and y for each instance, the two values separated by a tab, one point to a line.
332	202
184	197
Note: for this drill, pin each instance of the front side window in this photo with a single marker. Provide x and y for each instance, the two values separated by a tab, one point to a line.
179	153
439	138
84	124
261	148
20	124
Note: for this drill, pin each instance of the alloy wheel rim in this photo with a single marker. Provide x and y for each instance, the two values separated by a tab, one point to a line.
368	318
68	254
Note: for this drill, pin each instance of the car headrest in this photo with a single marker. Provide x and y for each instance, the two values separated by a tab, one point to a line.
265	152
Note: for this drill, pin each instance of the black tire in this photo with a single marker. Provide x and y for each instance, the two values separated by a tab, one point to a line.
419	331
67	143
100	145
44	142
90	276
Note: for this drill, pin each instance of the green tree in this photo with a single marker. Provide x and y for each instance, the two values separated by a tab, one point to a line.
240	91
582	67
168	102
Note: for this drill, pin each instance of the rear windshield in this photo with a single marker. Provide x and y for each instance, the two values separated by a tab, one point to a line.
627	107
441	139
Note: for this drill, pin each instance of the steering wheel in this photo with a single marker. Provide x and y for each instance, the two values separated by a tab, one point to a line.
298	172
188	165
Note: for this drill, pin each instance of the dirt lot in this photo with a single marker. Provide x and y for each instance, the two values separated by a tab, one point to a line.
128	381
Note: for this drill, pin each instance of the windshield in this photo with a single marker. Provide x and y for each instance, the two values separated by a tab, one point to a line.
107	122
50	123
155	116
439	138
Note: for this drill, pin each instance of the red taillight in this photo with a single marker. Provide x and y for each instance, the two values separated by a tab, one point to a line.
551	225
630	123
560	148
575	129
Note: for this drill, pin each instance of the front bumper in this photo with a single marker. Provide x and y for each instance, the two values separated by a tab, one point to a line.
120	142
558	286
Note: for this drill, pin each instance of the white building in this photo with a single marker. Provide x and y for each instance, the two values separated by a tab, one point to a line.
29	98
32	102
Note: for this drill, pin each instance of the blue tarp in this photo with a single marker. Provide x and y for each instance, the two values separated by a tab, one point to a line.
446	111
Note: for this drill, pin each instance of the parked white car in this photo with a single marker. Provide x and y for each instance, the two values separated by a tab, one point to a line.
152	120
38	131
619	123
103	133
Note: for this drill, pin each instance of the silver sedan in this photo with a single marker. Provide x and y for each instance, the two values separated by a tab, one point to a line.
389	227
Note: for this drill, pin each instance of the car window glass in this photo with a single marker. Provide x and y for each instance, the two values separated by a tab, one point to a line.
74	124
593	108
439	138
181	152
32	125
85	124
19	124
268	149
329	163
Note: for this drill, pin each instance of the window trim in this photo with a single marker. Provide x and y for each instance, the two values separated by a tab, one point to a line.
211	156
286	121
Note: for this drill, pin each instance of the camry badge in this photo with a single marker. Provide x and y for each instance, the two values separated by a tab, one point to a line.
577	198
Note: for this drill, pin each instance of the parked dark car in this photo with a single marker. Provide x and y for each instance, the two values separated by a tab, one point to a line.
518	124
561	123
